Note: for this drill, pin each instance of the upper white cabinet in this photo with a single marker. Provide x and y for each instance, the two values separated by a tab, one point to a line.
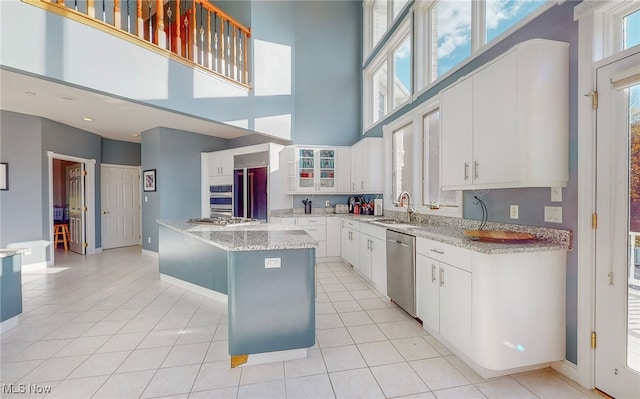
311	169
221	163
367	167
507	124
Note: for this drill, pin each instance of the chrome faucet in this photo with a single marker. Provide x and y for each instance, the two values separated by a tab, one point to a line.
410	210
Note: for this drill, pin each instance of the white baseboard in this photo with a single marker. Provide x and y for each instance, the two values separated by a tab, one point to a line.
567	369
9	324
194	288
153	254
329	259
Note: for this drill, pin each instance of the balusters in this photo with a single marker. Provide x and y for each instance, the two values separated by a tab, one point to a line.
196	30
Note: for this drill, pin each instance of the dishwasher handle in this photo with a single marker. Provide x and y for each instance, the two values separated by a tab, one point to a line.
399	242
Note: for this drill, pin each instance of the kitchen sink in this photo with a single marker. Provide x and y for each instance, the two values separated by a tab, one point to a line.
395	223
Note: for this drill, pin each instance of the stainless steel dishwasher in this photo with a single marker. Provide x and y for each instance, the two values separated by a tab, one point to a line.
401	270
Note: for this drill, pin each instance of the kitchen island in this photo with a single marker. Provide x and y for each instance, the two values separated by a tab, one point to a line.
265	273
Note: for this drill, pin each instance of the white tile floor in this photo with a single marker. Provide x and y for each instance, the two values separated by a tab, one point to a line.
105	326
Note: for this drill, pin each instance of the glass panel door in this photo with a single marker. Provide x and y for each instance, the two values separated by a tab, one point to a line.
306	165
327	168
633	296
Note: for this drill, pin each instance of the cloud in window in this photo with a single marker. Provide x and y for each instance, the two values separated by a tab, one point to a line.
500	10
404	51
453	26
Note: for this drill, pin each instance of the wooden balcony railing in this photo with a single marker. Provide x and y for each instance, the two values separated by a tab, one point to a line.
197	31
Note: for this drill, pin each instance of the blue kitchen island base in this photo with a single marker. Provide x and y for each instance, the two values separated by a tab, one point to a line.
265	274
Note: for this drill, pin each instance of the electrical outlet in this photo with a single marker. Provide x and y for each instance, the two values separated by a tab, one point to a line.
553	214
272	263
513	212
327	203
149	240
556	194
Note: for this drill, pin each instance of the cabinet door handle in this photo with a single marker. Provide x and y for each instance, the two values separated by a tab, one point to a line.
475	170
433	273
362	184
353	186
371	241
437	251
466	170
312	229
441	277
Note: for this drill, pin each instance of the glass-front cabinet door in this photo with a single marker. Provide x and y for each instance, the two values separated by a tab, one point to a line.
316	169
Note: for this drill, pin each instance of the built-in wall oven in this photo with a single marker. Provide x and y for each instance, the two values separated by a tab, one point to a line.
221	200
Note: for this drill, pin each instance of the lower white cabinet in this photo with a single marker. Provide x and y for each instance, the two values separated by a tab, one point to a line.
373	255
350	242
314	226
500	313
443	298
333	236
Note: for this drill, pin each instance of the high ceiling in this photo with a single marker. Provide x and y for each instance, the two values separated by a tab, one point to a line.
112	118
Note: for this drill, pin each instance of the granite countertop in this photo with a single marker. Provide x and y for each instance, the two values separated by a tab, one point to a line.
251	237
451	231
10	252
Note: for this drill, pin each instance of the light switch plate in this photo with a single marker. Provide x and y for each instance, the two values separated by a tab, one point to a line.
513	212
272	263
553	214
556	194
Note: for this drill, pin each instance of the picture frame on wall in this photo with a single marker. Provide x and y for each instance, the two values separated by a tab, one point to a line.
149	180
4	176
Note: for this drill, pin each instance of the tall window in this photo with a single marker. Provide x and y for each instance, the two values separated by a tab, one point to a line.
402	73
379	15
432	196
388	79
451	29
402	161
379	20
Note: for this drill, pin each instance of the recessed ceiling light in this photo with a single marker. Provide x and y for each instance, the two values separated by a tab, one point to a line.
30	93
86	118
69	98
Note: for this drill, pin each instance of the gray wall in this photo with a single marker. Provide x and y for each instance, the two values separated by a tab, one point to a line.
175	155
555	24
118	152
21	206
67	140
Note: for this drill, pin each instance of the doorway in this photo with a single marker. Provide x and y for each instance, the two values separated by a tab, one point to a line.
617	274
80	194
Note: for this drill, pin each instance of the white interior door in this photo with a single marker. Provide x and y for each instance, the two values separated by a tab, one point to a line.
617	279
75	180
120	194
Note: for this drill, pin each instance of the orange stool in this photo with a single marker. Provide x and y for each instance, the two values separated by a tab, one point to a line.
61	235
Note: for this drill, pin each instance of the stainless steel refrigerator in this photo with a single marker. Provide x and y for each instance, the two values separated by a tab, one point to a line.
250	185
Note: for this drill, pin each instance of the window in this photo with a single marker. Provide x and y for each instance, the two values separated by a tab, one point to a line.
503	14
631	30
402	73
388	78
432	196
378	16
412	144
402	161
398	5
379	20
451	27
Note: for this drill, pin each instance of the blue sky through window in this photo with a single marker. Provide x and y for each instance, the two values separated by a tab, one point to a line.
503	14
632	30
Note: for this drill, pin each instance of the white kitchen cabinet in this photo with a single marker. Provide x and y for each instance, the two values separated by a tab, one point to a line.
344	173
373	255
506	124
315	226
443	291
333	236
474	303
367	167
312	169
350	242
221	163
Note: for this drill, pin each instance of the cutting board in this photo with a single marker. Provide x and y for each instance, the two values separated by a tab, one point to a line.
498	236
